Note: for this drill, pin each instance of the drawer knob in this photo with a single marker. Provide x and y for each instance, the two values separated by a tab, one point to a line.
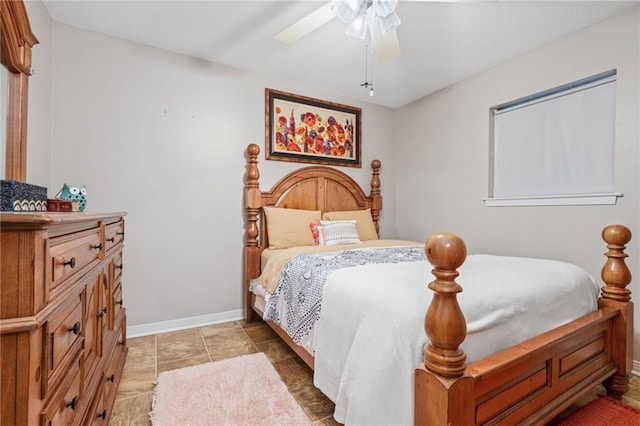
76	328
102	312
71	262
112	239
73	404
120	266
97	246
111	378
119	302
119	233
103	415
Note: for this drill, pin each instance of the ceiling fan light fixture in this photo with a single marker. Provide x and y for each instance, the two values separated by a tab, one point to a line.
346	10
384	7
358	26
389	22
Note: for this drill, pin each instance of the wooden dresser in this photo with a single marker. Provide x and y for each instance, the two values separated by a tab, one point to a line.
62	320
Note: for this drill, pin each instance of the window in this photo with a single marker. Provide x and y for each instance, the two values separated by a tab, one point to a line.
556	147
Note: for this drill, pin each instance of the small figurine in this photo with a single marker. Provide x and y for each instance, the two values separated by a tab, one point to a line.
74	193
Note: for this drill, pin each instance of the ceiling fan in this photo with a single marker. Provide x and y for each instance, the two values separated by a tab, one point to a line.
374	18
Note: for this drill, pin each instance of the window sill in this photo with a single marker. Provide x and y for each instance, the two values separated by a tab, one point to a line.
564	200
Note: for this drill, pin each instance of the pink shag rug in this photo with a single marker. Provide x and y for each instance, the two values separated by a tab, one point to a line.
245	390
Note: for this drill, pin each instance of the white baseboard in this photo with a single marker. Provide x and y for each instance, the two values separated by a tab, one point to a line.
183	323
635	370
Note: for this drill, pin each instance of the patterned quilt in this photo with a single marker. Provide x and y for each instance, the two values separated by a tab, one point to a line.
297	301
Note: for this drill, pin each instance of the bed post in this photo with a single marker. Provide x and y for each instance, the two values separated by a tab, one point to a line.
443	391
376	198
253	204
616	276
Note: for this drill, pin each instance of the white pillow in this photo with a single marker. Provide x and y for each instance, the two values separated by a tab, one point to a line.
338	232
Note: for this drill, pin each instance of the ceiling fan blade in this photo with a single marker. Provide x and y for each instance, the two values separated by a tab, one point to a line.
307	24
385	46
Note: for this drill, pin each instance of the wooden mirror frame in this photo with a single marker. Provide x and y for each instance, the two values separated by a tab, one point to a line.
16	41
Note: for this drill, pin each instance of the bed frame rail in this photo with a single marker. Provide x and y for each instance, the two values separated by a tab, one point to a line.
534	381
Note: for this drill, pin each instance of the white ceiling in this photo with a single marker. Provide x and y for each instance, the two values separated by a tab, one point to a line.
442	42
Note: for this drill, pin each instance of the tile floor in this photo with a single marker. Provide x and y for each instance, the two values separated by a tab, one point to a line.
151	355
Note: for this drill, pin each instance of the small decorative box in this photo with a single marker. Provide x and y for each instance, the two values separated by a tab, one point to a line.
20	196
55	205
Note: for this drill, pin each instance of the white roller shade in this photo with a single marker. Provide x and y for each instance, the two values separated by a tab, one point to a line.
557	145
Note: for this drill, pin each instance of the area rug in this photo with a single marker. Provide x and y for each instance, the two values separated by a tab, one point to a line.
603	411
245	390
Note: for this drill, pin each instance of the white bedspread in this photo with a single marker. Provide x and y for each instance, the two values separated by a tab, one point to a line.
370	335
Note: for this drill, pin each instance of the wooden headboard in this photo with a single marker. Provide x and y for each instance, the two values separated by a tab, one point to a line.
309	188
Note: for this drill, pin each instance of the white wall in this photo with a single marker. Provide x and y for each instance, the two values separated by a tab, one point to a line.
162	137
442	174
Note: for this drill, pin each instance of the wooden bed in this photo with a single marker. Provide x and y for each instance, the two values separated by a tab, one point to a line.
530	383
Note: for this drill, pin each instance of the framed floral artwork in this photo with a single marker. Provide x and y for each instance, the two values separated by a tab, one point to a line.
303	129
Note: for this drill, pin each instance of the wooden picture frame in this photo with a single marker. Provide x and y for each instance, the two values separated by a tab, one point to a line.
308	130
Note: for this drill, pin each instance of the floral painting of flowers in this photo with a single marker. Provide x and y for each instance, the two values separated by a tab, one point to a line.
310	130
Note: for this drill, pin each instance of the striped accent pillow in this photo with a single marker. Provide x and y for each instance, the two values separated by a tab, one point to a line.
338	232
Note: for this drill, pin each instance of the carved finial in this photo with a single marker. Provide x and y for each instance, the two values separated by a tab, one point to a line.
253	150
615	273
446	251
444	323
252	166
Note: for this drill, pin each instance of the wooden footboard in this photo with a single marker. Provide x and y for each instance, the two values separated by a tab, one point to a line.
534	381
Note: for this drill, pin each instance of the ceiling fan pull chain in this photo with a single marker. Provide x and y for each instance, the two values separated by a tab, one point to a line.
366	83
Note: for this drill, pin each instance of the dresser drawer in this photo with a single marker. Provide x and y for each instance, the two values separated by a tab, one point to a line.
64	341
69	254
118	302
95	312
117	266
114	234
113	372
98	414
121	332
64	407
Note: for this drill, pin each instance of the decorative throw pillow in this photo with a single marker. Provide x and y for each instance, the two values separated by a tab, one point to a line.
289	227
316	231
338	232
366	228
